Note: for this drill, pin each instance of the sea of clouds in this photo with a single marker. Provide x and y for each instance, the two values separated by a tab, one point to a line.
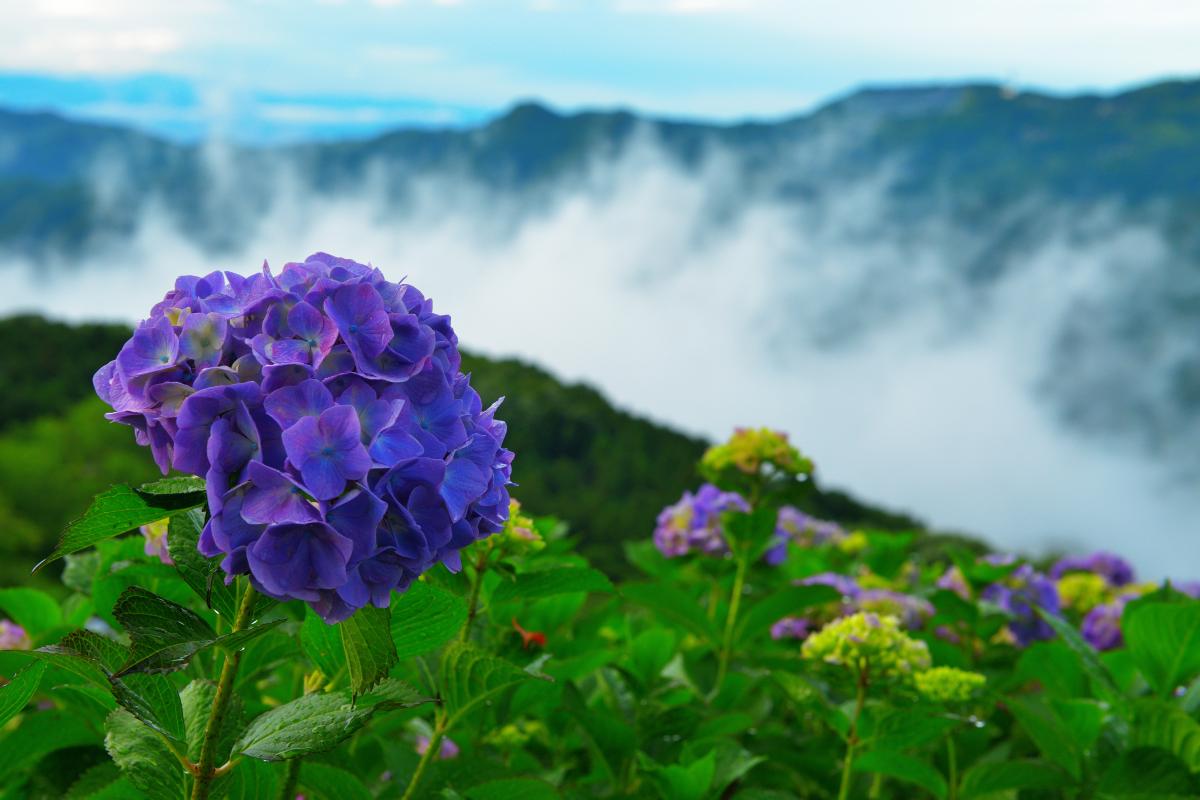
907	386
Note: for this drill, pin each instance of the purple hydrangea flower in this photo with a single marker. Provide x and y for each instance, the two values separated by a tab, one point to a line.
13	636
953	580
794	526
1020	594
156	541
791	628
446	750
1101	627
845	586
912	610
1114	569
694	522
343	449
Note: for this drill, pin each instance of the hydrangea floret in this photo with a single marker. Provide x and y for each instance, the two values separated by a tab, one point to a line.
343	449
868	643
948	684
155	535
519	535
1109	566
1021	594
1083	591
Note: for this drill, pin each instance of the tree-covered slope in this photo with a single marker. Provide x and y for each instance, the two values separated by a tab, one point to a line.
607	472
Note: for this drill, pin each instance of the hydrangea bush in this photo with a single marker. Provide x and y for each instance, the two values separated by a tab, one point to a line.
332	595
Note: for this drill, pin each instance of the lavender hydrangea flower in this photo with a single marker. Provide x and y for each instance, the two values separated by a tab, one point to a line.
1114	569
156	541
845	586
911	610
343	449
791	628
13	636
1101	628
694	522
794	526
1020	594
447	750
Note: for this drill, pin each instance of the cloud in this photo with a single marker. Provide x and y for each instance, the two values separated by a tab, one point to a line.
642	279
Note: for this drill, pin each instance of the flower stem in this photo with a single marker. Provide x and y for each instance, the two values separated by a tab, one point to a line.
735	601
290	780
431	752
216	719
476	584
852	739
952	768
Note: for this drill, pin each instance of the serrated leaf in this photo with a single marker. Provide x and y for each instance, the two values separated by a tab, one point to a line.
367	643
203	575
33	610
116	511
143	757
327	782
1164	640
424	618
680	781
392	693
903	767
15	694
672	604
95	781
470	676
196	700
554	581
176	484
322	644
986	779
153	700
87	654
163	635
313	723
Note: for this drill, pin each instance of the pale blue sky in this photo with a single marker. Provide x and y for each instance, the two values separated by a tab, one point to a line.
720	59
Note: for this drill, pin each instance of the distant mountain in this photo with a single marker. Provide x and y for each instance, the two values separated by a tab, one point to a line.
961	199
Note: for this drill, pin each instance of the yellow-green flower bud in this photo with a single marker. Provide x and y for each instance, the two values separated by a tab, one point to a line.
870	642
948	684
750	449
1083	591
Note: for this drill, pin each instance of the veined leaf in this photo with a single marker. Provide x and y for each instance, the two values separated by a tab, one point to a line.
549	582
424	618
327	782
322	644
470	676
1049	733
905	768
312	723
143	757
33	610
986	779
15	694
1164	640
116	511
766	612
367	642
202	574
674	605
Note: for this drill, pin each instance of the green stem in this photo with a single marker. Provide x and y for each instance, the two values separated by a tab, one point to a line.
476	584
735	602
216	719
852	739
952	768
435	744
290	780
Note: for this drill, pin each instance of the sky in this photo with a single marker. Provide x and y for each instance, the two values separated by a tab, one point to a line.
373	63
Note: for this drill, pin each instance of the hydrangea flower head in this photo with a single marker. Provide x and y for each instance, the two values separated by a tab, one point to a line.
520	534
911	610
1114	569
953	580
793	526
13	636
1021	594
753	450
1083	591
343	449
694	522
1101	628
156	540
948	684
868	643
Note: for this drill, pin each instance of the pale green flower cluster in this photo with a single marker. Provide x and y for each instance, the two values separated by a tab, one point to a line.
519	535
871	642
948	684
1083	591
749	449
